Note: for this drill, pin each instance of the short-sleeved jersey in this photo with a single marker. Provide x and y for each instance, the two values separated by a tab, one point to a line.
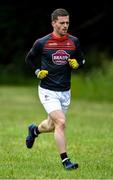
52	53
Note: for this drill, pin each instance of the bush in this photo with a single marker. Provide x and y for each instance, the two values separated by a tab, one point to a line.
94	85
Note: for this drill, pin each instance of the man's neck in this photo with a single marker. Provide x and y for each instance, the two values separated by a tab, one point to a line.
55	34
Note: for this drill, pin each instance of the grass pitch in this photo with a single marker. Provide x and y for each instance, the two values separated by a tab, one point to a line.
89	135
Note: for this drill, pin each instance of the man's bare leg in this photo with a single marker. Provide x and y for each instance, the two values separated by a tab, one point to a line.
46	125
56	122
58	118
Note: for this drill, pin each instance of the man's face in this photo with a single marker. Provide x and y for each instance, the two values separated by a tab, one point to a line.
61	25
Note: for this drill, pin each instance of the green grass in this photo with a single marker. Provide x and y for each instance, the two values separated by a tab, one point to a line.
89	135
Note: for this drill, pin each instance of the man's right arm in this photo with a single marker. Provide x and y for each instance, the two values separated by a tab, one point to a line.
33	59
33	56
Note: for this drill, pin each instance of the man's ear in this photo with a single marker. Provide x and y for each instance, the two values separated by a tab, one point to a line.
52	23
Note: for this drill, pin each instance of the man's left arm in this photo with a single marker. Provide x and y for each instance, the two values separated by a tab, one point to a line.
78	61
79	55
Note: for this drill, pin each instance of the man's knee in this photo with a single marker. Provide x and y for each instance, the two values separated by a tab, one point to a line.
50	124
60	123
58	118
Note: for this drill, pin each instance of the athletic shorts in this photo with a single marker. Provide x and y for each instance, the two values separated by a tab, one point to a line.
54	100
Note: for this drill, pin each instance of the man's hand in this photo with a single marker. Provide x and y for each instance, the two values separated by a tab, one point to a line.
73	63
42	74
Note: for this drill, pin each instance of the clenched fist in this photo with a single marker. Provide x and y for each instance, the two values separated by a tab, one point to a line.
73	63
41	74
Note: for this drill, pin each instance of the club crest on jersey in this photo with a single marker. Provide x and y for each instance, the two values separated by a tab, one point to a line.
60	57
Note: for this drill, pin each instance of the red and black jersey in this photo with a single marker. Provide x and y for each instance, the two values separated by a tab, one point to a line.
52	53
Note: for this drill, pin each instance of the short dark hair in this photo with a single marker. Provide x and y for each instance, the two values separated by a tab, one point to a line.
59	12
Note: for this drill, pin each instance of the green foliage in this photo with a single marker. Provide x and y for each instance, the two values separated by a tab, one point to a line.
96	85
12	75
95	58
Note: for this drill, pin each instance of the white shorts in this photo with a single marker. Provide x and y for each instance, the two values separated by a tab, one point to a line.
54	100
